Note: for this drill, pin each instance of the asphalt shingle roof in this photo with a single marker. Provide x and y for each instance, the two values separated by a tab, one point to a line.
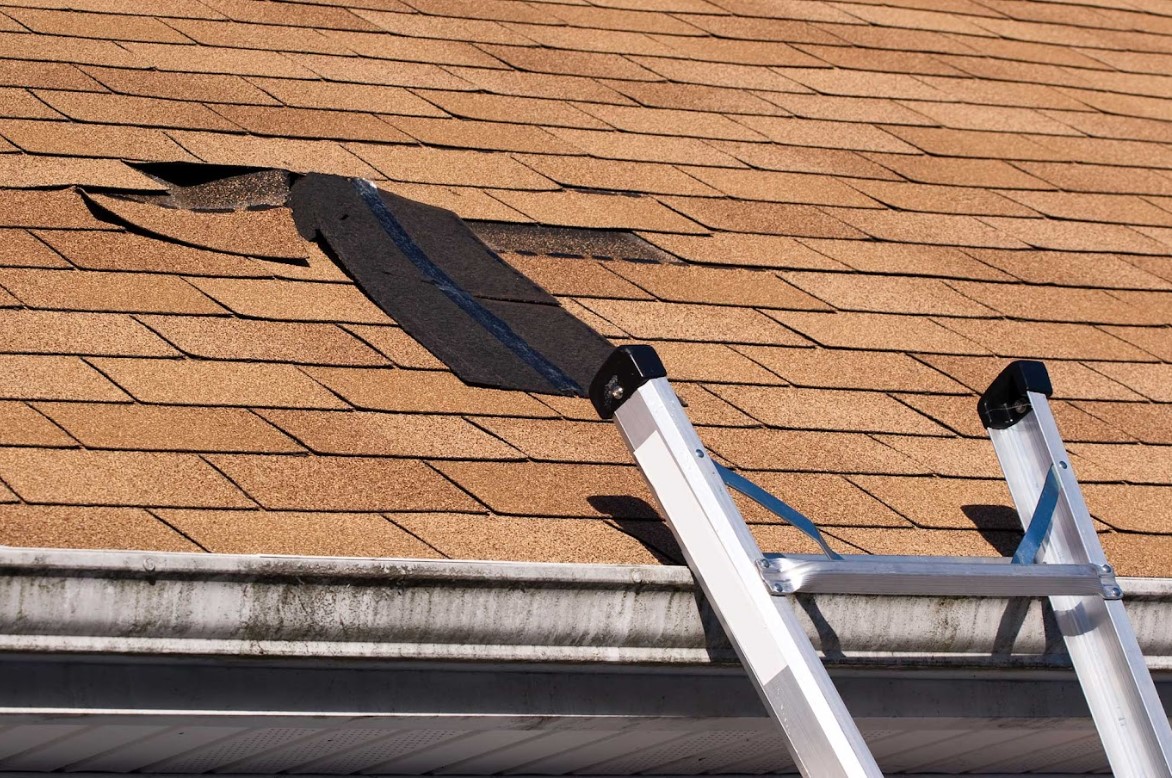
860	212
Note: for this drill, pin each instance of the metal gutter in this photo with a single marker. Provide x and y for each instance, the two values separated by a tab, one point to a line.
139	603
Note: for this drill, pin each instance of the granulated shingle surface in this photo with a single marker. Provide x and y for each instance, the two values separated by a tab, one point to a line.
852	217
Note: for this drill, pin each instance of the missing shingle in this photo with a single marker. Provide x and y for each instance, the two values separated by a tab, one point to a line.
568	242
216	187
420	264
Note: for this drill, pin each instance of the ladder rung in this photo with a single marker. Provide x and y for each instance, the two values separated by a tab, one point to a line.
939	576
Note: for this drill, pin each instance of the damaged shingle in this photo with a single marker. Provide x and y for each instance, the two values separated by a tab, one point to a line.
420	264
568	242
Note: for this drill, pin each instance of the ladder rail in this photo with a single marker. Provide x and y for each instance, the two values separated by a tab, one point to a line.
1098	634
765	631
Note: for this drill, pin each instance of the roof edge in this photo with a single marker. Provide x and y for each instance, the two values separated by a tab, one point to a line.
166	604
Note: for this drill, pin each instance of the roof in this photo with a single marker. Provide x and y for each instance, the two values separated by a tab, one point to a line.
861	212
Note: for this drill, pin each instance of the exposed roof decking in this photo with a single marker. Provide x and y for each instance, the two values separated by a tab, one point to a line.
899	200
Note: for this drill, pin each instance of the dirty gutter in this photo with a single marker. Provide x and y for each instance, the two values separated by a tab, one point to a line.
139	603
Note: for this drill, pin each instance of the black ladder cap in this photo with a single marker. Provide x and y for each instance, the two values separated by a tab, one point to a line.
1005	402
624	371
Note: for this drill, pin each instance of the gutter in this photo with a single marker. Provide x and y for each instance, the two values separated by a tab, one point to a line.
156	604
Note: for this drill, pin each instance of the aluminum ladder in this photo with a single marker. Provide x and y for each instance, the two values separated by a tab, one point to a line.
1060	557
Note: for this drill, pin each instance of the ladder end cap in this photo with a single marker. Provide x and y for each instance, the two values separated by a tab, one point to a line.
624	371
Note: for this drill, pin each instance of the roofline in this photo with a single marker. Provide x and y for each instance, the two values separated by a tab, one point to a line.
168	604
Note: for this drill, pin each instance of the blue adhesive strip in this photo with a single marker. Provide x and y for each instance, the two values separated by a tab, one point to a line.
774	505
1027	550
466	302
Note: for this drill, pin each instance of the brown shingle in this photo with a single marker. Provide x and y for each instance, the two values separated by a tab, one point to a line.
292	300
730	248
510	538
1047	303
1096	178
110	250
1130	508
311	123
960	172
823	134
827	500
365	70
819	452
717	286
204	87
23	171
140	111
1121	209
60	209
1043	340
714	363
18	248
1141	555
507	108
54	378
268	341
414	25
706	409
574	63
781	187
827	409
52	332
390	434
887	294
757	217
423	391
242	35
577	277
695	97
264	233
20	104
848	109
342	483
560	441
877	331
189	382
1117	462
932	228
104	26
1071	268
645	148
212	59
953	503
804	159
590	173
843	369
162	428
487	136
299	155
533	489
398	346
1142	422
124	478
720	74
705	323
39	526
598	211
1155	340
1151	380
92	140
941	199
665	121
521	84
959	457
450	166
299	534
382	46
98	291
46	75
20	425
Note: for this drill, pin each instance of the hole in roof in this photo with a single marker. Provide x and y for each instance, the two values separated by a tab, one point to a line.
568	242
422	265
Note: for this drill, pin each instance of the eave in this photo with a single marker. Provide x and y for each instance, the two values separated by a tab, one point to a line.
527	667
